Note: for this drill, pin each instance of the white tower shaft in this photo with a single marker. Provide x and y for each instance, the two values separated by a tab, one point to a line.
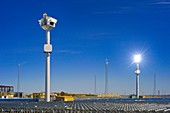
47	80
137	86
137	81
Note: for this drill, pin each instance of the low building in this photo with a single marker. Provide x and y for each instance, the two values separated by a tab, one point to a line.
39	95
6	91
142	96
132	96
108	96
64	98
18	94
54	97
28	96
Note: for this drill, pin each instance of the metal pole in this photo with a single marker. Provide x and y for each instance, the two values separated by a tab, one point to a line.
137	81
47	80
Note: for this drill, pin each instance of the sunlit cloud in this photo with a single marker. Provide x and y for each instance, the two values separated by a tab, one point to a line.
162	3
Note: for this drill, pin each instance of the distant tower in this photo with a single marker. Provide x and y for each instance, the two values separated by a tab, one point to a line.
154	90
18	86
158	92
95	84
106	82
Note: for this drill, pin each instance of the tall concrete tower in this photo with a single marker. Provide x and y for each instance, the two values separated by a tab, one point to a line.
106	77
137	59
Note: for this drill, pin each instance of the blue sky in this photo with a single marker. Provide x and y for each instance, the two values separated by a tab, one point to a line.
87	32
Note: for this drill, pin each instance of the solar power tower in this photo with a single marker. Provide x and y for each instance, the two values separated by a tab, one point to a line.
47	23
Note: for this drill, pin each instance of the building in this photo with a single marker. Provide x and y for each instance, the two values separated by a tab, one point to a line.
6	91
18	94
39	95
53	97
64	98
108	96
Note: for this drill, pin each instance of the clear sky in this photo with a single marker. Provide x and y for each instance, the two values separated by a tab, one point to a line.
87	32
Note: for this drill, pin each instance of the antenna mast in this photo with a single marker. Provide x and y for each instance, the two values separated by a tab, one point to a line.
95	84
154	93
106	81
